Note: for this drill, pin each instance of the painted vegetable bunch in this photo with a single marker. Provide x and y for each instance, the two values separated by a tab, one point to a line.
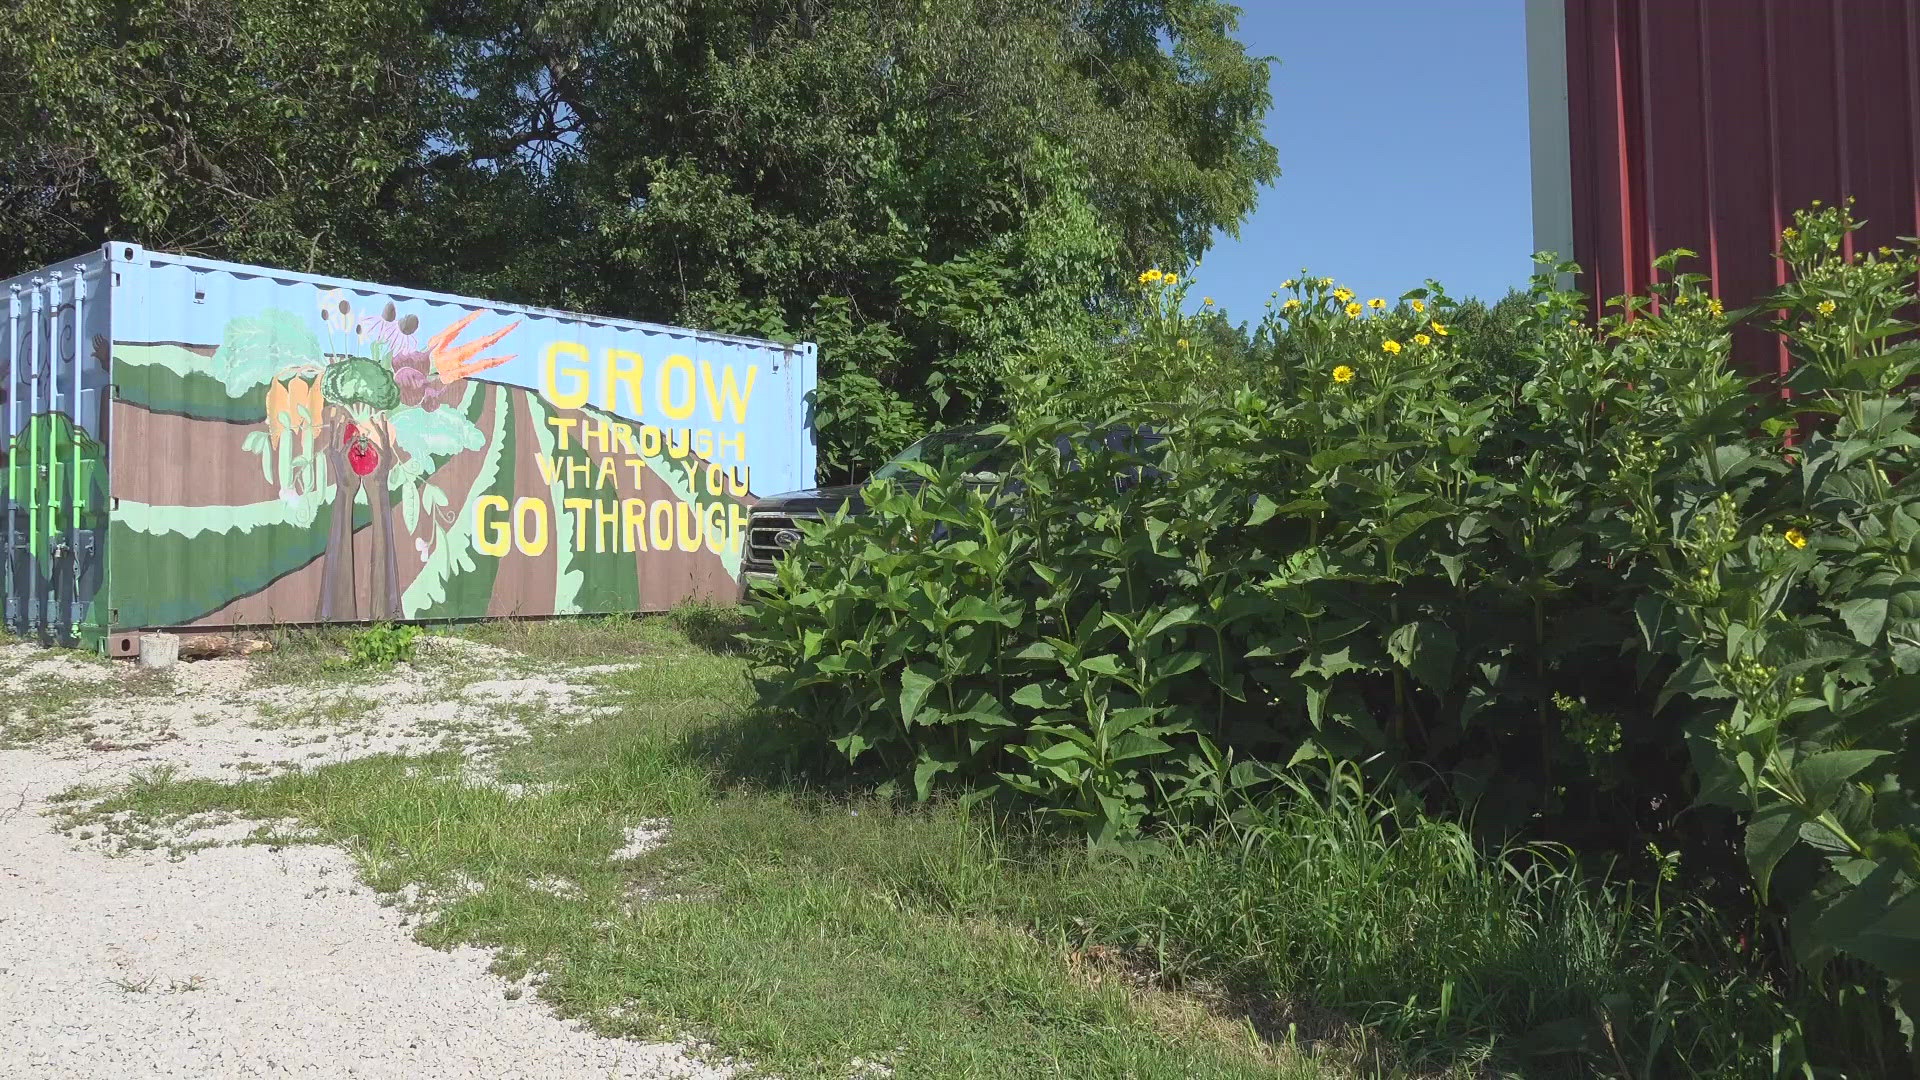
366	411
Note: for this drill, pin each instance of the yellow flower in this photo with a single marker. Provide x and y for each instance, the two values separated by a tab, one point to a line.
1353	311
1288	284
1789	233
1422	339
1376	303
1343	295
1826	308
1326	282
1714	305
1797	538
1208	301
1148	277
1343	374
1392	347
1291	304
1886	250
1438	329
1182	343
1419	306
1172	280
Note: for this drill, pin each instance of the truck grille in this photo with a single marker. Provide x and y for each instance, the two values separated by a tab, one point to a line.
765	533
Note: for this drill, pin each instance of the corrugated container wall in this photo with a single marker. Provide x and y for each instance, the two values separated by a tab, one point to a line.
1704	124
200	444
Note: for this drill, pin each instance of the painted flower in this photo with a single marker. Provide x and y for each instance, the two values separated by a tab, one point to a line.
1797	538
1827	308
1422	339
1390	347
395	330
1353	310
336	310
1343	374
1419	306
425	549
1376	303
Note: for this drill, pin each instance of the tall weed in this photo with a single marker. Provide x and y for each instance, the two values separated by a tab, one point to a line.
1613	605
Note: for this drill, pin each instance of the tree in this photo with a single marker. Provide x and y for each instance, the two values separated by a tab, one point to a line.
260	130
929	188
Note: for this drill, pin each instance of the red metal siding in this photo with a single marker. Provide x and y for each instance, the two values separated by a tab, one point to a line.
1704	124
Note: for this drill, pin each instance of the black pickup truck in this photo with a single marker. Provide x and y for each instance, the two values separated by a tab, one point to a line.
771	522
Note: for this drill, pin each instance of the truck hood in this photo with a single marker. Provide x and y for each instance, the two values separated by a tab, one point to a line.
823	500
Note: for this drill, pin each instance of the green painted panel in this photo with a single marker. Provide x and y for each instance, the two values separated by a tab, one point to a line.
171	379
455	584
169	577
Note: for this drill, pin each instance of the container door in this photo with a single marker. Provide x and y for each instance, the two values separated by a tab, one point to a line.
52	370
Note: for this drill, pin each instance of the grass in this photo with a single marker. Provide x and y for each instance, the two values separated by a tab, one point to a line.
789	944
803	930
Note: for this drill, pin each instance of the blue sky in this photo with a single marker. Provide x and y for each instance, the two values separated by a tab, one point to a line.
1402	132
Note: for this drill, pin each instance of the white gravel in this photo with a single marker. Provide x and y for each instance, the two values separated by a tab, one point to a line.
248	961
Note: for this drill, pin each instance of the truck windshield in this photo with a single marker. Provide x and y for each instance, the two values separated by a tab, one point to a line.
987	454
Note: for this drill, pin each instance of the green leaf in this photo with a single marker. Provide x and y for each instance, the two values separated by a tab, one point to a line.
1771	833
1821	777
1135	744
915	683
1178	617
924	773
1427	650
442	432
979	609
1865	616
1656	618
1040	696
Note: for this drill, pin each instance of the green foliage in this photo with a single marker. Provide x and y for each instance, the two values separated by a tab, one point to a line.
256	348
382	646
1601	604
266	130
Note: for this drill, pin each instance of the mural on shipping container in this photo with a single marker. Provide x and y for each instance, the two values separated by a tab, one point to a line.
408	464
53	479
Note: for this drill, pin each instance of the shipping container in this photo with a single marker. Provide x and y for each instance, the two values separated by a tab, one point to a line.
195	444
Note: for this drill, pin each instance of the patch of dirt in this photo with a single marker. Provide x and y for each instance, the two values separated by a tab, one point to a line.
216	946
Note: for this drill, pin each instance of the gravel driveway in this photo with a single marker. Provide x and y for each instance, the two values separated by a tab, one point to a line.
241	961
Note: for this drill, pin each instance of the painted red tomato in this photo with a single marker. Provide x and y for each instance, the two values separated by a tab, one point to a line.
362	457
